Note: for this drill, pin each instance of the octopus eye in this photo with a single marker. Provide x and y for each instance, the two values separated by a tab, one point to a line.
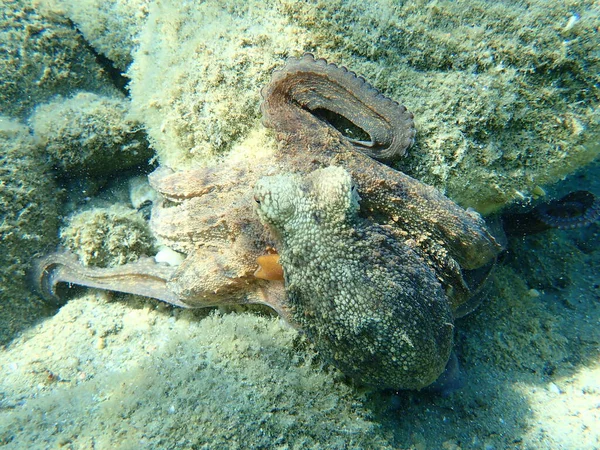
259	197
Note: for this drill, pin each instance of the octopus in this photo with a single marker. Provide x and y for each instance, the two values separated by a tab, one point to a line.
373	306
575	210
376	265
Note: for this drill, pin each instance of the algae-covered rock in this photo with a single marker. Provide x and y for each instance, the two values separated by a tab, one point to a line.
90	134
42	55
504	95
106	237
138	377
29	204
197	74
111	27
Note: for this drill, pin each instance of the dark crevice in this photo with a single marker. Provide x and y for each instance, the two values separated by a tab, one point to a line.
119	80
342	124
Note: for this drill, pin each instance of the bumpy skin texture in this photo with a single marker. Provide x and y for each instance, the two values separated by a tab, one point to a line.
449	238
368	302
403	261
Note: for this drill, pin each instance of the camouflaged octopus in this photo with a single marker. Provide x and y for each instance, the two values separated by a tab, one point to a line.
376	264
372	306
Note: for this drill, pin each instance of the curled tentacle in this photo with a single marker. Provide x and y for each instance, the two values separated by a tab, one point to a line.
309	90
575	210
144	277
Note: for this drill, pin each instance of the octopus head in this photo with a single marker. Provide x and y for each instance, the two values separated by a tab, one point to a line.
292	202
275	199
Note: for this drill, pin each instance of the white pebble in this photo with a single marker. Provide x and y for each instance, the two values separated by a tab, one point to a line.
169	256
553	388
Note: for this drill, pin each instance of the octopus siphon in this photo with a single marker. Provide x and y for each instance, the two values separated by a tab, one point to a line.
376	265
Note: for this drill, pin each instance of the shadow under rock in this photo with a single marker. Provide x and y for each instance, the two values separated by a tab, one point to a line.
518	341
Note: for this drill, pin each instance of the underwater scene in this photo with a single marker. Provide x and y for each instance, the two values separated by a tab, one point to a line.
312	224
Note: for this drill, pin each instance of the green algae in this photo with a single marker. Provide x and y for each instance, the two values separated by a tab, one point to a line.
227	381
214	58
28	223
41	56
110	27
107	237
90	135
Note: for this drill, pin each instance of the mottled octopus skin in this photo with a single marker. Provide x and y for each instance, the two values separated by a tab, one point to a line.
208	214
314	86
367	301
449	238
